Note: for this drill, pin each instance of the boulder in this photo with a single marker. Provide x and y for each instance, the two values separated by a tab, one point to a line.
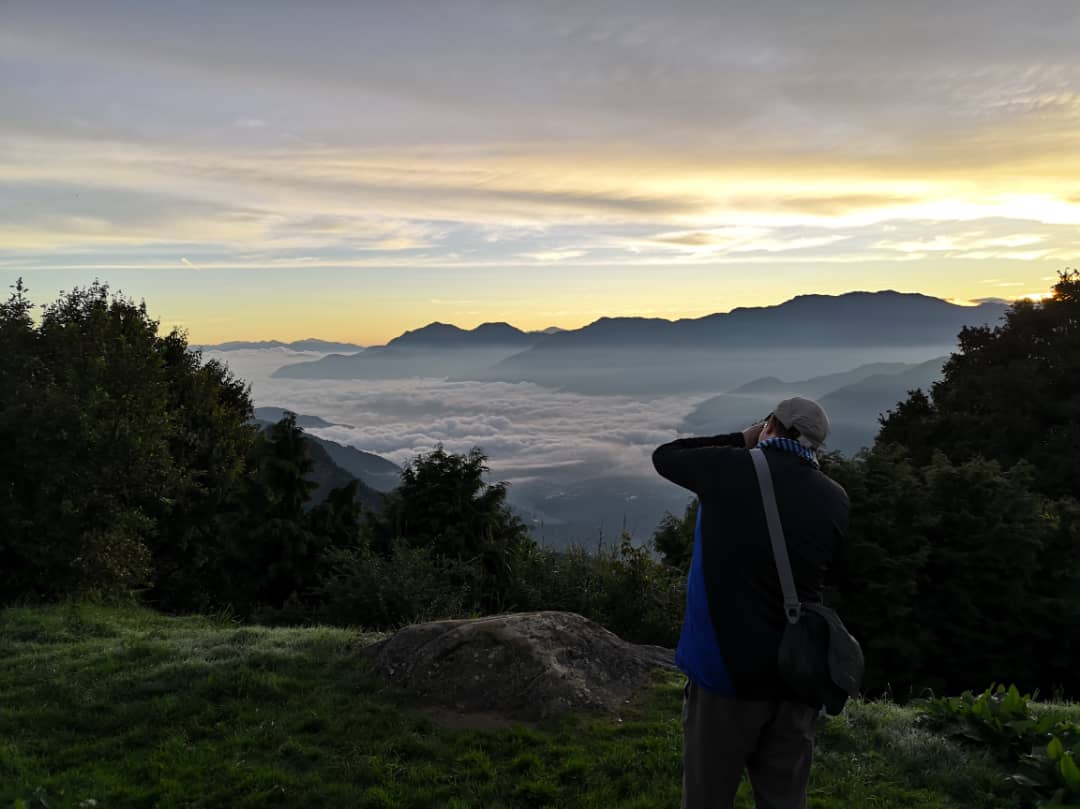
525	666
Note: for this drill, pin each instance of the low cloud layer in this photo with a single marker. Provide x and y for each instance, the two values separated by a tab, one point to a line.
524	429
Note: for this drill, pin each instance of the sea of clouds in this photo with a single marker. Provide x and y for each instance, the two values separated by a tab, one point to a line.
579	466
526	430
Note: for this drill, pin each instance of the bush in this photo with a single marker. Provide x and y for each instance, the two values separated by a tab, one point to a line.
623	589
408	585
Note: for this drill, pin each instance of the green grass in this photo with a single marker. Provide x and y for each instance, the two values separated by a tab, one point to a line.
127	708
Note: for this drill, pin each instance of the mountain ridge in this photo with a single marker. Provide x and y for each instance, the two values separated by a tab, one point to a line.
650	355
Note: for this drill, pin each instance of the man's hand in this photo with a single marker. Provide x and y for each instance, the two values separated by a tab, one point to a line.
752	433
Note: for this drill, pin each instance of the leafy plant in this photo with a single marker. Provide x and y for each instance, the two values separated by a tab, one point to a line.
1042	750
1049	775
998	718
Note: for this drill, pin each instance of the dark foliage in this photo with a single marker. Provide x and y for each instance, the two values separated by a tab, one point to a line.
623	589
210	439
86	460
674	537
952	571
404	585
444	504
1011	393
129	466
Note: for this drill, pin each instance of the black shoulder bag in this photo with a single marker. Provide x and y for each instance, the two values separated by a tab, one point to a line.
819	659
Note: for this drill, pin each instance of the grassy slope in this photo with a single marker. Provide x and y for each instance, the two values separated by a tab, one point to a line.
129	708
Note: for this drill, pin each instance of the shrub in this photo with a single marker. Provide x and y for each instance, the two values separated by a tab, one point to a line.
624	589
408	585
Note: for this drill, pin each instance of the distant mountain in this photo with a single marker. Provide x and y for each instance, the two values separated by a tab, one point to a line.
275	414
311	344
854	409
443	335
818	385
436	350
820	332
864	394
650	356
878	318
328	476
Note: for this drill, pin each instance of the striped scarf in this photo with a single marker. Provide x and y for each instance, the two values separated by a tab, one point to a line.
788	445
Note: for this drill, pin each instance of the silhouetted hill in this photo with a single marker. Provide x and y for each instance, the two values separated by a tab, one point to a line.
819	332
878	318
443	335
436	350
630	355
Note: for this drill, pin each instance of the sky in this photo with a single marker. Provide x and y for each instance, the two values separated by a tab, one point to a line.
347	170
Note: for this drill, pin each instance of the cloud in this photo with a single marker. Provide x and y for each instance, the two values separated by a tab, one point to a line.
523	427
588	134
545	256
826	206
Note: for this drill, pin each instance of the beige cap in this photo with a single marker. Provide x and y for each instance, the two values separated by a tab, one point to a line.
806	416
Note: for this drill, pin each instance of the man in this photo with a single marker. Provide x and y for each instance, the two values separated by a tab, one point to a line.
737	712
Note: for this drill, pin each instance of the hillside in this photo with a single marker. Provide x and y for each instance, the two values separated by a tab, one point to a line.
327	474
854	409
853	400
127	708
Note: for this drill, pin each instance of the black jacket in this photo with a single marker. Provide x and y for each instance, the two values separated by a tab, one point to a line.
734	612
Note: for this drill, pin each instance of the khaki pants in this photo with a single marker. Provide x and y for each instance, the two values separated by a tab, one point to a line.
773	741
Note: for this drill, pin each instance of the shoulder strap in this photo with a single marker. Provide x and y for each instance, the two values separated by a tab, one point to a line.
792	605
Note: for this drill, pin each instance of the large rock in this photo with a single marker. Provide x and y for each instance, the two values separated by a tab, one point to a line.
524	666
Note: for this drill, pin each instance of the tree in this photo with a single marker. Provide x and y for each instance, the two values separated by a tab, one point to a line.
120	456
270	552
944	574
129	465
877	575
674	537
1011	393
88	454
210	411
18	367
445	504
